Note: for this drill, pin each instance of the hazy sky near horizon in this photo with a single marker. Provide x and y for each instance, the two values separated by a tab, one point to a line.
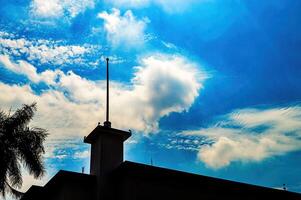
211	87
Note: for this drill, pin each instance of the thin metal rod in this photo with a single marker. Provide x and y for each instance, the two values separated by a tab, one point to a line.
107	115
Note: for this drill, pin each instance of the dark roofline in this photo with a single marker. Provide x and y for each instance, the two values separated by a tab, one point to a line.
150	171
33	191
108	131
63	176
56	182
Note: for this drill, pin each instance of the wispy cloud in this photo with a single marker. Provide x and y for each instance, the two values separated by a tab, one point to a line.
129	3
82	154
168	6
66	148
47	51
70	151
251	135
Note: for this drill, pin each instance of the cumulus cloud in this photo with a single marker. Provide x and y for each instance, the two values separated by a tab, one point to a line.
124	30
162	84
47	51
59	8
251	135
161	77
56	113
73	105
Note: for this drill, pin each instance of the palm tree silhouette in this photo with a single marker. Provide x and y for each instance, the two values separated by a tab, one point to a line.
19	145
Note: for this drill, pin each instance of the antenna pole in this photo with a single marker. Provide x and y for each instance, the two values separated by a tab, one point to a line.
107	116
107	123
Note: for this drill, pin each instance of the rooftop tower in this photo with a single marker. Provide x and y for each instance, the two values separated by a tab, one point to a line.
106	146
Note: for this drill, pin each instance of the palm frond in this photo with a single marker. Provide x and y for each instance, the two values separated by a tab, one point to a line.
5	156
3	116
21	117
19	144
15	193
14	173
30	150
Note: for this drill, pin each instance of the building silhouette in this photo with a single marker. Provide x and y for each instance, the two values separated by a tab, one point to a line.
111	178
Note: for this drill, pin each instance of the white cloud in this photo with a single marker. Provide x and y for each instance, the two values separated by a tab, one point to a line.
129	3
81	154
73	106
66	146
25	68
5	34
251	135
59	8
56	113
181	143
124	30
47	51
169	45
161	77
57	151
114	59
29	180
51	8
174	6
161	85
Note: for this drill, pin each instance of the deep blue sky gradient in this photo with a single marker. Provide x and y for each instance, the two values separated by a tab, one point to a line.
250	49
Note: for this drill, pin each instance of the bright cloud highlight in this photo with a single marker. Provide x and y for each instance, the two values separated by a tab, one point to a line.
124	30
58	8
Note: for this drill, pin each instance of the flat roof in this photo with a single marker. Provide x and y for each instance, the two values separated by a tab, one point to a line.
99	130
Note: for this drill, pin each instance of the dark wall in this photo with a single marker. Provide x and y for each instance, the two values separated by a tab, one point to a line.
131	181
137	184
73	189
65	186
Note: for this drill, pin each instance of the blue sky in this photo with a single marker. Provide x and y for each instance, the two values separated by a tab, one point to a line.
207	86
